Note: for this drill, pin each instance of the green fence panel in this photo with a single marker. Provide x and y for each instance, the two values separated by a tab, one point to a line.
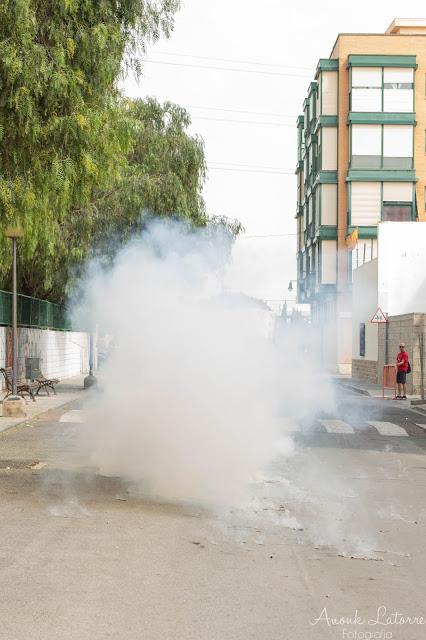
33	312
5	307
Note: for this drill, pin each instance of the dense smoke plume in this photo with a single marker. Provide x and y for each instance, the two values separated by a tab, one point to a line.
196	390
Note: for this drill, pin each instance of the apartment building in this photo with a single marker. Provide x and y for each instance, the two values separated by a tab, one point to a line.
361	160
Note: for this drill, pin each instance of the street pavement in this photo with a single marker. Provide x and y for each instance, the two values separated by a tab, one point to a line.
329	544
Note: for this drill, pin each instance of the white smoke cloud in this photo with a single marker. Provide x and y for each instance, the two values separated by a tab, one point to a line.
194	391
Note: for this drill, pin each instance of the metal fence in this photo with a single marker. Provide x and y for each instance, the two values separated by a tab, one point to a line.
33	312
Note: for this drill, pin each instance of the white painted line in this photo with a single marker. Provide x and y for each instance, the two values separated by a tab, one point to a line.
73	416
388	428
422	426
337	426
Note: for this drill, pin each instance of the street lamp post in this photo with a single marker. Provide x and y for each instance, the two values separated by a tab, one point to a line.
290	285
91	380
14	233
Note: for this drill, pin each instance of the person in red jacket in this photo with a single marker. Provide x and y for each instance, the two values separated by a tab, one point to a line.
401	371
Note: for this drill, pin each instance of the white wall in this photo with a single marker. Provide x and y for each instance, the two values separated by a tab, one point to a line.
365	251
63	353
364	305
402	267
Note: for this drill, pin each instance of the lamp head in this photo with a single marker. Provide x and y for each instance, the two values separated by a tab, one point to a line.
14	232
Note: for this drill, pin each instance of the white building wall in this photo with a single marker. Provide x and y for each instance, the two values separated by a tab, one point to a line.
63	354
402	267
364	306
365	251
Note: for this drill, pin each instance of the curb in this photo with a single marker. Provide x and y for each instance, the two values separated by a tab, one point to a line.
29	419
361	392
347	385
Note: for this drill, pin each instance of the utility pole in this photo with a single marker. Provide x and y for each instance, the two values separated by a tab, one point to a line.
14	405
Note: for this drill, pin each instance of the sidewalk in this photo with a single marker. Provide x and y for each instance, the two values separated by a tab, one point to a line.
67	390
368	388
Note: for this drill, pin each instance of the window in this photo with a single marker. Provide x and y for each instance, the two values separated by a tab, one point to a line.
366	146
328	261
317	206
381	146
311	107
397	147
388	89
397	211
329	93
329	148
328	204
366	94
362	339
398	192
372	201
365	203
398	90
397	201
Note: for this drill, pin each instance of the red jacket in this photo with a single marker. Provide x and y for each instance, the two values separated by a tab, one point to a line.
402	357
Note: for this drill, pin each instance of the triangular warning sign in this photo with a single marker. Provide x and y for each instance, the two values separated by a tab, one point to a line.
379	317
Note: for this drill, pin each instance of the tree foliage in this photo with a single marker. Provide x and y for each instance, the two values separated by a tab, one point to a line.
64	135
162	177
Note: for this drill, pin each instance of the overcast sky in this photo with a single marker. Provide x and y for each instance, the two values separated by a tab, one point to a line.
251	174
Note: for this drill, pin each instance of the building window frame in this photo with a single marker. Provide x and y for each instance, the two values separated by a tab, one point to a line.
383	203
383	88
382	157
362	339
394	203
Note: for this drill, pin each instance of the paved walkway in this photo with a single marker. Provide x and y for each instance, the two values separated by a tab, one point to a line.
68	390
369	389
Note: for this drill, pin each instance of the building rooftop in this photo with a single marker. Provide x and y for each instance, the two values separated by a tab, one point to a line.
402	26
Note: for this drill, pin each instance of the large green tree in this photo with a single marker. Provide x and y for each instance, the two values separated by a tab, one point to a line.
65	136
162	177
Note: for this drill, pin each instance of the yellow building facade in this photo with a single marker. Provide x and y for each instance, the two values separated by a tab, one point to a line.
361	160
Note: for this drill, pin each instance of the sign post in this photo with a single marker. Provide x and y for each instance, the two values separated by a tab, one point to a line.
382	318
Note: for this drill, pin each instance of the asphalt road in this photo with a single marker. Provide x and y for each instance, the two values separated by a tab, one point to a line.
337	527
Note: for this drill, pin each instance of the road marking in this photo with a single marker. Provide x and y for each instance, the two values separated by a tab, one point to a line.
422	426
387	428
76	415
337	426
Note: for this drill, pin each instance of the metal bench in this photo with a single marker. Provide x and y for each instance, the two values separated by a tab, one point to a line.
45	383
21	386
